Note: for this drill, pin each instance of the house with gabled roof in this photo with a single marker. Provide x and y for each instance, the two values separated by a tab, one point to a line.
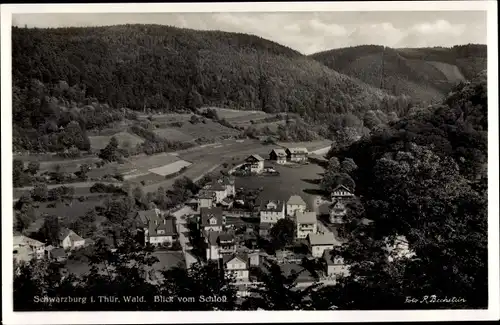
25	248
278	155
211	219
155	228
236	265
68	239
307	223
255	163
335	266
338	211
272	211
318	243
219	243
206	198
58	254
295	203
342	192
297	154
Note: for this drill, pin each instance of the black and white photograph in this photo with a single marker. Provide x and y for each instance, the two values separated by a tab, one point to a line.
205	160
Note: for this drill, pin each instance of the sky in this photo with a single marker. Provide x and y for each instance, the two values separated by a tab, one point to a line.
306	32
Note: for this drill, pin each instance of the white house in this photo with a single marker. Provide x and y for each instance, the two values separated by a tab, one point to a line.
211	219
295	203
256	163
297	154
206	199
272	211
319	242
278	155
337	212
237	266
342	192
219	244
335	266
156	228
68	239
25	248
228	183
307	224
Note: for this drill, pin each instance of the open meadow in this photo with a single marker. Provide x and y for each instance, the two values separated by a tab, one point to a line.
301	180
125	140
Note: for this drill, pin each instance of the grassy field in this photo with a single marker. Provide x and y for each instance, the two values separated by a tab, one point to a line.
67	165
301	180
451	71
145	163
208	130
311	145
173	134
125	139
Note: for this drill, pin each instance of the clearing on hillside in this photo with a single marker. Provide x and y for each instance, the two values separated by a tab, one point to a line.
125	140
173	134
451	71
171	168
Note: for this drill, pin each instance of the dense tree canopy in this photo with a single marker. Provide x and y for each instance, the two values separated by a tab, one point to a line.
415	181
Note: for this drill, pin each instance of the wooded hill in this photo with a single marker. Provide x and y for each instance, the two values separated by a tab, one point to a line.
425	74
169	69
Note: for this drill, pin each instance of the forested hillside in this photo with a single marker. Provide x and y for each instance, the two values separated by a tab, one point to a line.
425	74
424	178
168	69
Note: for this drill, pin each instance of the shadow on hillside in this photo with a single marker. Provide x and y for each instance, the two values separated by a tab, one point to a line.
312	181
321	174
313	191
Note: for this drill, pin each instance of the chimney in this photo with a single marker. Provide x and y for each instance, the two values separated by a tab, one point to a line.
164	221
156	222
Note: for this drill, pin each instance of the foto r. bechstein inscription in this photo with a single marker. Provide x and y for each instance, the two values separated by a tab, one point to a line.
279	160
433	299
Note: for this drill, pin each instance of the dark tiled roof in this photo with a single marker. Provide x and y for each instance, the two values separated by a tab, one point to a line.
242	256
208	213
290	268
57	252
297	151
279	152
165	224
254	158
146	216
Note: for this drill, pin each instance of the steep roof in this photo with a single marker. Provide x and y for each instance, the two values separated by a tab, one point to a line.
23	240
342	187
74	237
306	217
167	225
240	256
65	232
206	194
298	150
255	157
208	213
324	239
147	215
58	252
279	152
289	269
332	260
296	200
184	211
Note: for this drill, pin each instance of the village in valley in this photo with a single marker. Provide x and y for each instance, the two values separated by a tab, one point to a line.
240	229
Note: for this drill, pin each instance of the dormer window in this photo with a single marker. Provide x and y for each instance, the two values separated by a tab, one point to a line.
161	232
213	221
